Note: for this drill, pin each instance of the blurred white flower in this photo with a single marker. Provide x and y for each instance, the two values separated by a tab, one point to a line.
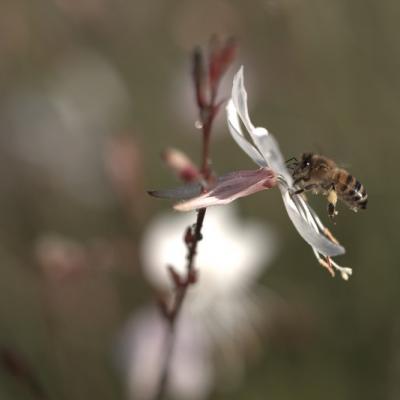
58	128
222	313
230	256
123	162
143	355
60	258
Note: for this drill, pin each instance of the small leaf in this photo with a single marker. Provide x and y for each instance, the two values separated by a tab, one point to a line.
179	193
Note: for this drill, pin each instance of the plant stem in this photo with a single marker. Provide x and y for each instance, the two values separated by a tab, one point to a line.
172	316
180	294
208	109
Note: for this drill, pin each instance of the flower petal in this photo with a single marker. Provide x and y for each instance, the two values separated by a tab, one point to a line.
264	141
269	148
239	98
231	187
308	228
237	134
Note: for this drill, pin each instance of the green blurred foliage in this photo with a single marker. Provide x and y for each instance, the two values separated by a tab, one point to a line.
322	75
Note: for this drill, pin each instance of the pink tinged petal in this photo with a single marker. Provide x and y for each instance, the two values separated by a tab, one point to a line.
191	190
231	187
303	219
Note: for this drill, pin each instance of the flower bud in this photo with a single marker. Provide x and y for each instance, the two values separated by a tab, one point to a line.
181	165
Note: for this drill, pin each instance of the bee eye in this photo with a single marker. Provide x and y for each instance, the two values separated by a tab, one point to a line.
306	160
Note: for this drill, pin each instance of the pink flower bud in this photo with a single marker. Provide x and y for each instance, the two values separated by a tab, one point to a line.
181	165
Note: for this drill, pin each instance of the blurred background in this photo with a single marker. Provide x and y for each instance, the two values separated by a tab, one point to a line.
91	92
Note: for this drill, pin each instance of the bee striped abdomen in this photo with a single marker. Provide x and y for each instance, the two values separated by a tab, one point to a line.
350	190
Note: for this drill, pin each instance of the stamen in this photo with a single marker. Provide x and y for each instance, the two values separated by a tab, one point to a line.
325	262
330	265
344	271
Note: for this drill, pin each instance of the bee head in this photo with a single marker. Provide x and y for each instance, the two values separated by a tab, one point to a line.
306	159
303	167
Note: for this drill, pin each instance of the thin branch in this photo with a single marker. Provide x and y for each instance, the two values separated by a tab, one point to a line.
205	81
172	315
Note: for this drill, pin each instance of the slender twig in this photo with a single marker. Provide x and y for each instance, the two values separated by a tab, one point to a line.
172	315
219	59
206	162
182	288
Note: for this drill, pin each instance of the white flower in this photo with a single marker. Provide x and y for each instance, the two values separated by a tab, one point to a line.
222	312
265	152
143	355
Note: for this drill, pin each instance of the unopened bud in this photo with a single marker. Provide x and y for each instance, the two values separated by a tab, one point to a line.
199	78
181	165
221	55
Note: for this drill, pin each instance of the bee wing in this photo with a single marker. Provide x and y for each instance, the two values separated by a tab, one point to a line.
345	165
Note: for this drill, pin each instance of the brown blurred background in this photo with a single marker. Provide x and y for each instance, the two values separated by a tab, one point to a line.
91	91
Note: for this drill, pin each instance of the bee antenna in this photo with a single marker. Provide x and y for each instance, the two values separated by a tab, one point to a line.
291	159
292	163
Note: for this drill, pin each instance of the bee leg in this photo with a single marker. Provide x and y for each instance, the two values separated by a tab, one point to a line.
332	200
331	210
306	188
297	181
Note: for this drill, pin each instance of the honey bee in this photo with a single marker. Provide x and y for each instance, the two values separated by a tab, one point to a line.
322	175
